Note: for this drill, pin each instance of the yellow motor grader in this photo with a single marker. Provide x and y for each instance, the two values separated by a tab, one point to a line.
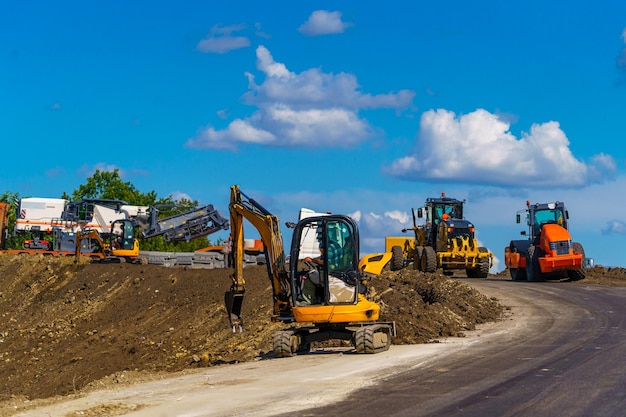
446	240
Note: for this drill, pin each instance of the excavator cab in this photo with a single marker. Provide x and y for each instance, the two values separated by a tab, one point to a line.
324	267
122	241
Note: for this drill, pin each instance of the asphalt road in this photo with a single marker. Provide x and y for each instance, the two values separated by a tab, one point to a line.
568	361
560	353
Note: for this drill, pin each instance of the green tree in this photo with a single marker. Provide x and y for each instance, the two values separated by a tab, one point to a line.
105	185
10	240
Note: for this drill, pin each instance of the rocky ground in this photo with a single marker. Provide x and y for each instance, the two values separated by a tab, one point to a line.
67	327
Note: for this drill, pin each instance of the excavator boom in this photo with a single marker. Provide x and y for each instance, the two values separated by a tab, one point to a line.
186	226
242	207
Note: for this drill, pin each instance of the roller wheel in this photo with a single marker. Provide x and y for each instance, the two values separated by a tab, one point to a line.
518	274
533	271
397	258
578	274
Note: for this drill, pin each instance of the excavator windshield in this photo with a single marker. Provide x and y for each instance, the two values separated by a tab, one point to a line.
324	260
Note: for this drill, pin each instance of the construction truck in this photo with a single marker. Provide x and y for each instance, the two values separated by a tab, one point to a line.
548	252
121	243
62	219
34	214
446	240
99	214
324	300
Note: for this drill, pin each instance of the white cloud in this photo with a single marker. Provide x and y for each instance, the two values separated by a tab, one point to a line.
88	171
614	227
323	22
374	227
220	40
400	216
179	195
310	109
479	148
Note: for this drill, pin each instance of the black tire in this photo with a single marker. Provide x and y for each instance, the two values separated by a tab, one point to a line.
301	336
416	258
518	274
533	271
483	268
428	260
372	339
397	258
284	344
578	274
471	272
364	340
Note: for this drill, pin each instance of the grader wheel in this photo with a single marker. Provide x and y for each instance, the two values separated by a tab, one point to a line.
397	258
417	253
428	260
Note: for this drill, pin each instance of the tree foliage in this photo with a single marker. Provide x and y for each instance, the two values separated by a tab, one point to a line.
11	241
105	185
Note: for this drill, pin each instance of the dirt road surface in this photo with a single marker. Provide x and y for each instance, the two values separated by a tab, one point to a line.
107	340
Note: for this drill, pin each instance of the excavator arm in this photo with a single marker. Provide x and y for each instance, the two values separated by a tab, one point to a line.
185	226
242	207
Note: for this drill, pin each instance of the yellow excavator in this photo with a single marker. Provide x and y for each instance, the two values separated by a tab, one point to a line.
320	288
120	246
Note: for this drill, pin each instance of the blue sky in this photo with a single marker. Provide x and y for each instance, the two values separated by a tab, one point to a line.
363	108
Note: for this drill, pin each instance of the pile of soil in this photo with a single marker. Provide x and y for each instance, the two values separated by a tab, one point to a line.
67	326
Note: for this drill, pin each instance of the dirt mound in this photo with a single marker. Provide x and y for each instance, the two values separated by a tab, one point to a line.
614	276
601	275
66	326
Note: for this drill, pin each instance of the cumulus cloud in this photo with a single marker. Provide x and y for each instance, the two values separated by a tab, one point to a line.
310	109
374	227
323	22
479	148
614	226
220	40
179	195
88	171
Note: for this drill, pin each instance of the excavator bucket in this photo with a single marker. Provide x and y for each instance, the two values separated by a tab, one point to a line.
233	301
